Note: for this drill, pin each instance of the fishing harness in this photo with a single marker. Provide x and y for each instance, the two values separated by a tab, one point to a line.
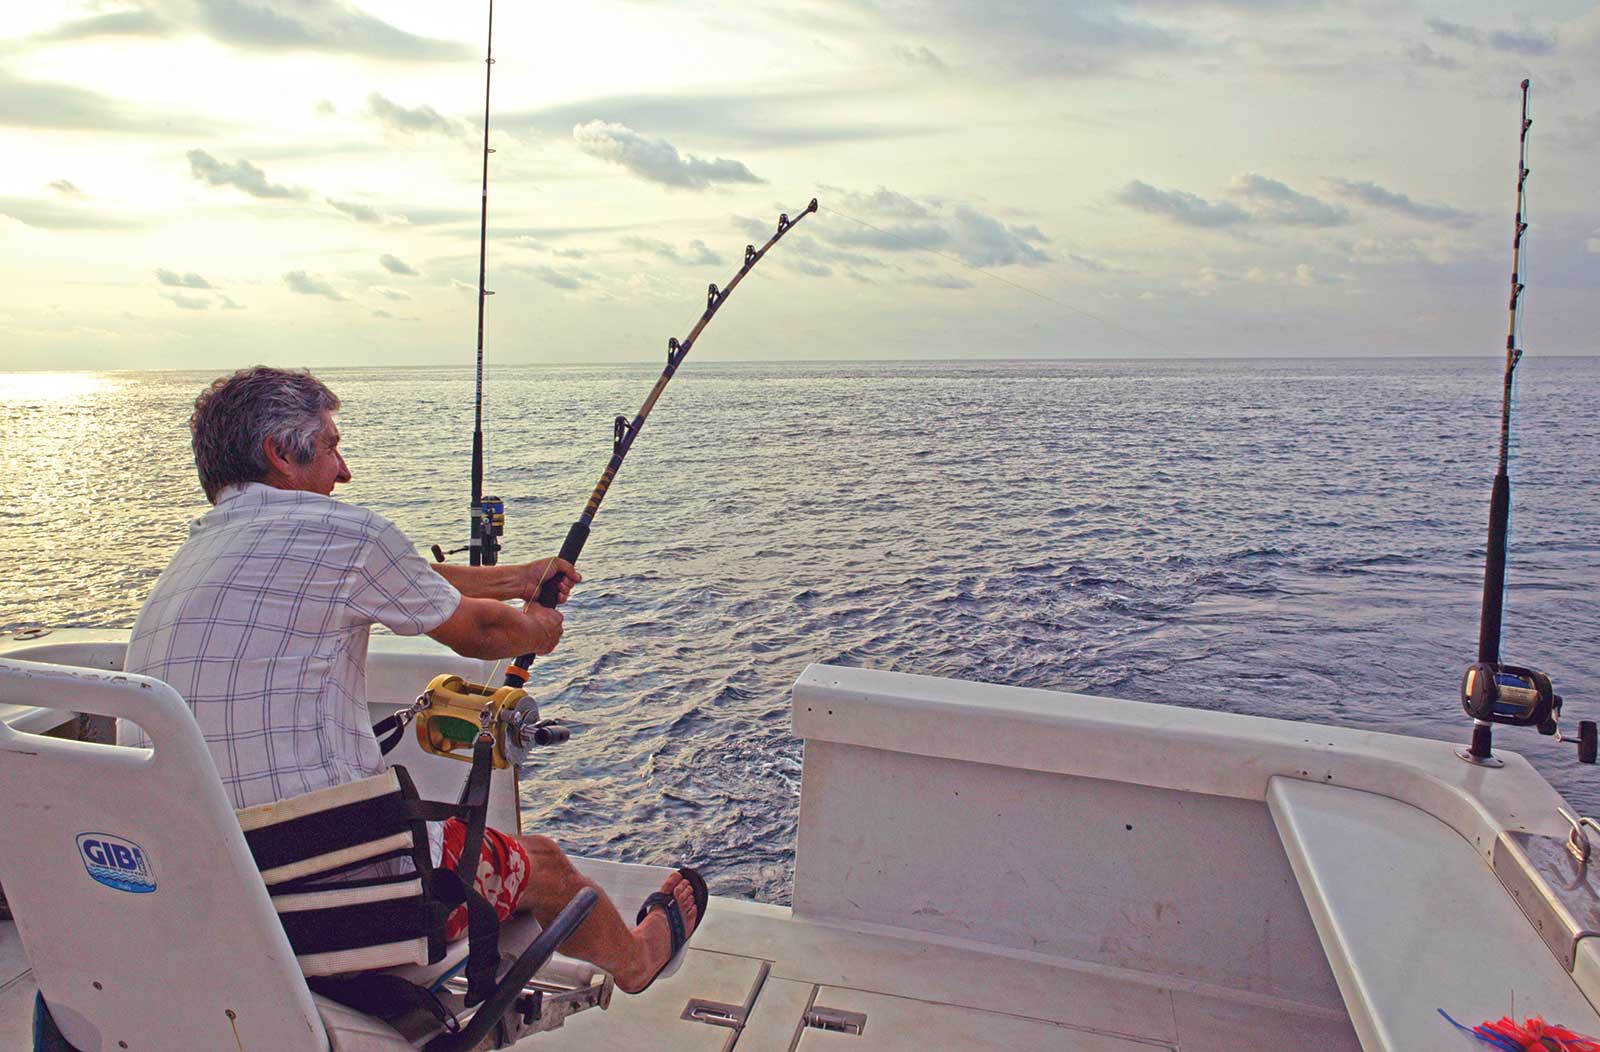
320	855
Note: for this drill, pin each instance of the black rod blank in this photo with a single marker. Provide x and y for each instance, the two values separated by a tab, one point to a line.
1494	572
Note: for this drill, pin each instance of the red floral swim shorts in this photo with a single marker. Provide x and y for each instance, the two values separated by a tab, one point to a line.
502	873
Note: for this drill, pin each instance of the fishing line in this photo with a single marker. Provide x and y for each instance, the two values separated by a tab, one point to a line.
1004	280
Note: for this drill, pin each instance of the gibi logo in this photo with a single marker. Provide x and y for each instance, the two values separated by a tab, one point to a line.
116	863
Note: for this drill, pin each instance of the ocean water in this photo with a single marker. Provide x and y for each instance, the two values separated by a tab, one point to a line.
1299	539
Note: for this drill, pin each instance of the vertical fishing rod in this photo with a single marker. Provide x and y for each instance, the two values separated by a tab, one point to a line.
1494	576
488	513
625	431
1493	692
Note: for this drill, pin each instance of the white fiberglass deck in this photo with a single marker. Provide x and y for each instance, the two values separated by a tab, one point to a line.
981	867
917	996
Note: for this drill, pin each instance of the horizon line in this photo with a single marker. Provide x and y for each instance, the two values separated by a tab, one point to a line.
870	361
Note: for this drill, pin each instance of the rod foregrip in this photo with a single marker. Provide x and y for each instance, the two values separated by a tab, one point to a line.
571	548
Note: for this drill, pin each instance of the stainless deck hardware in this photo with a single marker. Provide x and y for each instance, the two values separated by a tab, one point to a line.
836	1020
1577	839
1550	879
546	1001
715	1013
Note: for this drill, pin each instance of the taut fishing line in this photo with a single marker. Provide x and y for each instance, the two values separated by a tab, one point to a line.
1151	340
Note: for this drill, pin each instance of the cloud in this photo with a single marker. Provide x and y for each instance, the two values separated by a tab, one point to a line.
984	241
1279	203
418	119
182	302
181	281
241	174
1455	31
359	212
1593	243
880	202
896	237
118	24
1522	43
54	215
908	225
1181	206
1378	197
558	279
806	246
1580	133
65	188
1096	266
699	253
919	57
1423	55
389	294
941	281
295	25
395	265
656	160
41	104
764	120
1518	42
301	282
1019	37
228	304
808	266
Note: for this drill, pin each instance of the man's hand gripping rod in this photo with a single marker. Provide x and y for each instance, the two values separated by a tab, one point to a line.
625	431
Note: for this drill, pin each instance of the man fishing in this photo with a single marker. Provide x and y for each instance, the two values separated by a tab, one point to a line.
261	623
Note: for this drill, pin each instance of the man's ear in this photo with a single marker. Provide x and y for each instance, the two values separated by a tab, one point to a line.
277	462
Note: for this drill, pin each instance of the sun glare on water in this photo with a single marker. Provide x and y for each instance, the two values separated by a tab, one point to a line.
49	387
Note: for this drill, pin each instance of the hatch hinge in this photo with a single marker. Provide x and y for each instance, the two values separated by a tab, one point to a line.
836	1020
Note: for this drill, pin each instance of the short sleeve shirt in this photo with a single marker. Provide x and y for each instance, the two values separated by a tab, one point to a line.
261	624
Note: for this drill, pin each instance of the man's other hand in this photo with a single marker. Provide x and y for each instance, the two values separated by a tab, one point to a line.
536	573
545	630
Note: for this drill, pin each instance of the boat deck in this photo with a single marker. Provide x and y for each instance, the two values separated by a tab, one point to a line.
919	995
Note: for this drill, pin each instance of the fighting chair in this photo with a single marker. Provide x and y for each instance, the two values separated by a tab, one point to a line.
147	922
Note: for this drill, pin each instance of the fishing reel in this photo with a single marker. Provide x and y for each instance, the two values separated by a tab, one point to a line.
1519	697
488	525
452	714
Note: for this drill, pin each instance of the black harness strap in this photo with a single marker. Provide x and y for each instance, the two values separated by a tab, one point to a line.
483	924
389	731
388	997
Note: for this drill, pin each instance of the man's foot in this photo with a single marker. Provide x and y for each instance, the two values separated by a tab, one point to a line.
666	920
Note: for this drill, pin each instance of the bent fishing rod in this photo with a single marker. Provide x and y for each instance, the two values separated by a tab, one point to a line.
625	431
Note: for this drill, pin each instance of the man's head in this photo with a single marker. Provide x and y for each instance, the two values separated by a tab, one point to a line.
267	425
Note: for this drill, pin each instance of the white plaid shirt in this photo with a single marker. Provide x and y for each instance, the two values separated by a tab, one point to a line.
261	623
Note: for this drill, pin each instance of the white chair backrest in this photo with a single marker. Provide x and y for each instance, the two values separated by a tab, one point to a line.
138	903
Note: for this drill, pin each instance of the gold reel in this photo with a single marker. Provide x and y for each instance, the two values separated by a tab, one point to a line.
453	713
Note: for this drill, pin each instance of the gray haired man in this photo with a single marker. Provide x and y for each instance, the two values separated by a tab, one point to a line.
261	623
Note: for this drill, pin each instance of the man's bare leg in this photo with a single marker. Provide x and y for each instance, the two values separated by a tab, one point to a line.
633	955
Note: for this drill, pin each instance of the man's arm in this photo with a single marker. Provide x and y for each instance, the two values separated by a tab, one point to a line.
510	581
490	629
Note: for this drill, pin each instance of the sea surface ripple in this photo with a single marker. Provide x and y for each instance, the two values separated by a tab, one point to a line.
1288	538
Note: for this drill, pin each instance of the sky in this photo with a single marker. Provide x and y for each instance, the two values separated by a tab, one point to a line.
213	183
